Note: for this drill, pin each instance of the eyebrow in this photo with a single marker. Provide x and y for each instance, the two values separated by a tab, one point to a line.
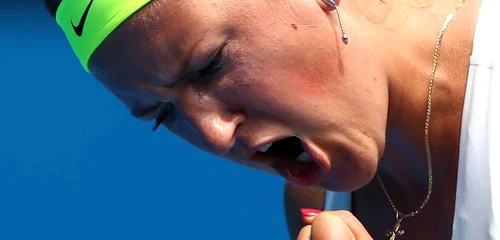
144	112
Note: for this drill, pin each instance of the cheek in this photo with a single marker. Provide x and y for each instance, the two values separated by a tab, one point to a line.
283	81
288	97
276	78
307	84
292	76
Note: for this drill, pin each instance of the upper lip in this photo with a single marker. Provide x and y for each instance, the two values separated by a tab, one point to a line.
306	145
253	150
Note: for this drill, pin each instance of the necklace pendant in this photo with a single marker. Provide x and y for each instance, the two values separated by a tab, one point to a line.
396	231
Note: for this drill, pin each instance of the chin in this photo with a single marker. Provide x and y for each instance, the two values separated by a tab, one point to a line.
346	185
351	176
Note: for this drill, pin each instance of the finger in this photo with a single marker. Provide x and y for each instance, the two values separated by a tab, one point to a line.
354	224
338	225
304	233
308	214
328	225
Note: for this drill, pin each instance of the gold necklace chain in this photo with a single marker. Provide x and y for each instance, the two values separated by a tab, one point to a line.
400	216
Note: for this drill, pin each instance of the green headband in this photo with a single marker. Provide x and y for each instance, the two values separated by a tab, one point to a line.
87	23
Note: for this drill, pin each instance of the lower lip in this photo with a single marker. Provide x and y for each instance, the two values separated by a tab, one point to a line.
301	173
319	158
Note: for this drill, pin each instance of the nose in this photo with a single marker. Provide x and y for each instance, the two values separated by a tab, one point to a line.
210	126
217	133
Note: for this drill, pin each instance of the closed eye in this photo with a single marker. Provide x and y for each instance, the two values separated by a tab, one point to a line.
165	112
213	65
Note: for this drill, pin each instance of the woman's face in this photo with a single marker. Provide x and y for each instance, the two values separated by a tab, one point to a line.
233	77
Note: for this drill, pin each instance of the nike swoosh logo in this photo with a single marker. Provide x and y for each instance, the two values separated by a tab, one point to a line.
79	28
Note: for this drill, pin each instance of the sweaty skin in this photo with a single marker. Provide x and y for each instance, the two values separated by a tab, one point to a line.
281	69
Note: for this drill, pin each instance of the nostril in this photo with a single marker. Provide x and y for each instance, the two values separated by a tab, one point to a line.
240	150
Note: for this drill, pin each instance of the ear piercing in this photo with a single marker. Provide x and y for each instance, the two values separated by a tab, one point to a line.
332	4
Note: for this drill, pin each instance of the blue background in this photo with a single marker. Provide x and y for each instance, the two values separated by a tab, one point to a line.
75	165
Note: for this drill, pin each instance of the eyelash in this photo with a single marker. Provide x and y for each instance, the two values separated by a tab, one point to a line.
209	72
167	114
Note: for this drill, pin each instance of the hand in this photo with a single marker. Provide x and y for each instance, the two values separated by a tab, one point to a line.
332	225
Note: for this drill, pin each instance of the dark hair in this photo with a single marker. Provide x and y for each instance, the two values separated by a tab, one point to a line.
51	6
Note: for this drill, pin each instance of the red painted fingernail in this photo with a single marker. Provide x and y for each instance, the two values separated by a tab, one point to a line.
310	212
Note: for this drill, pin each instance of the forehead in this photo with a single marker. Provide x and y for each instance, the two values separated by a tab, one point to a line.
156	36
146	48
148	42
152	44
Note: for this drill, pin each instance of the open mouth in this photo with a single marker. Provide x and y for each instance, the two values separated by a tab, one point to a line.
288	157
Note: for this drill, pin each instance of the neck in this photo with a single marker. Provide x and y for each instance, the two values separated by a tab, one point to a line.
408	50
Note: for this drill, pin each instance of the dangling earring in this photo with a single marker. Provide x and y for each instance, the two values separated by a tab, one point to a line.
332	4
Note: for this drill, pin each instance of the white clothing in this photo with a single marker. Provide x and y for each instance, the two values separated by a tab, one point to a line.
477	206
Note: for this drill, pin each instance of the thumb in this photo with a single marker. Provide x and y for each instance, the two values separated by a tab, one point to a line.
308	214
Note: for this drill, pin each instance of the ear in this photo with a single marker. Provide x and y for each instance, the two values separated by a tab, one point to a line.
328	5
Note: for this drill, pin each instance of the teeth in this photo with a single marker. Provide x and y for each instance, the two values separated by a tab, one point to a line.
304	157
264	148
